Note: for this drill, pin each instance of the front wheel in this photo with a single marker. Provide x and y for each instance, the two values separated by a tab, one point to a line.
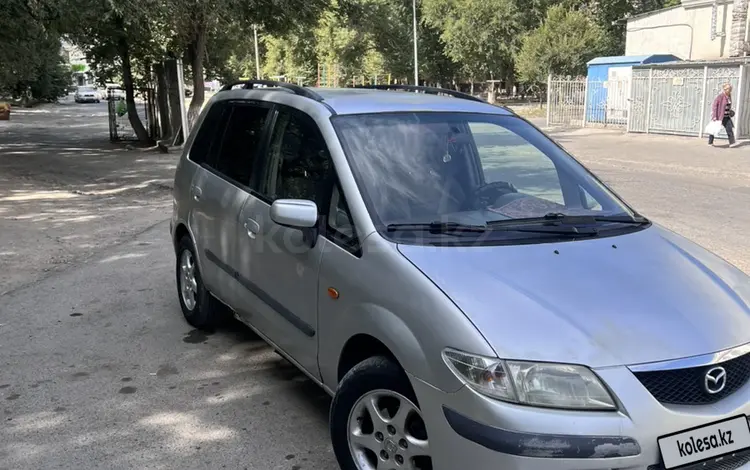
376	422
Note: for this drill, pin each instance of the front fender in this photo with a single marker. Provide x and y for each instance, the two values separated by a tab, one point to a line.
383	325
403	309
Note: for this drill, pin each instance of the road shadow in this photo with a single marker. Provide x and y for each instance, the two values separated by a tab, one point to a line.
66	192
114	377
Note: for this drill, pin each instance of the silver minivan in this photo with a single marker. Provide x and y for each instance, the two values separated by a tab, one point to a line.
470	295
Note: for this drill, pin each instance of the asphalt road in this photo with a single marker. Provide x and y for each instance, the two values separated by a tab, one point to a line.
98	370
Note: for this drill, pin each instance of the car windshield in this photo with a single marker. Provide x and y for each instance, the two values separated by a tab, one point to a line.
85	88
467	169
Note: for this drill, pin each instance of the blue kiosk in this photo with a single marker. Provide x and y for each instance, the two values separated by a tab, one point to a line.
609	85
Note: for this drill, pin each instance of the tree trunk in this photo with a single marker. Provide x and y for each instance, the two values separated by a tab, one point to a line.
127	82
738	29
510	83
196	53
491	92
162	101
174	96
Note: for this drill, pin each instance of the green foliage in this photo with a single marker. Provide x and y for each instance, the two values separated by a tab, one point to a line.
561	45
30	60
121	108
292	55
478	34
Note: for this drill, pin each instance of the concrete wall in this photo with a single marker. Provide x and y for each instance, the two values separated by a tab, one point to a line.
684	31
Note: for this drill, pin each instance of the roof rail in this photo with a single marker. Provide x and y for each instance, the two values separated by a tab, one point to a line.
296	89
424	89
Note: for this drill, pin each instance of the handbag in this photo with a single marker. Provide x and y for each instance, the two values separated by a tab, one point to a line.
713	128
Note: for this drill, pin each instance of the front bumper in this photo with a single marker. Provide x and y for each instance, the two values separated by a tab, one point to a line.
469	430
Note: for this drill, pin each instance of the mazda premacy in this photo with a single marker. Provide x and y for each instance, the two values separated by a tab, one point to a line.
470	295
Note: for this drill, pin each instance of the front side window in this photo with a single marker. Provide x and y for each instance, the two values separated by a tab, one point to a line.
340	222
300	165
474	172
242	139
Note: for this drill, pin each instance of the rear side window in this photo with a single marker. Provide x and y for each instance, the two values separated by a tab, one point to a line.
242	139
206	138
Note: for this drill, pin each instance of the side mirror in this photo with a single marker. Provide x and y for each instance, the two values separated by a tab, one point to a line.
298	214
295	213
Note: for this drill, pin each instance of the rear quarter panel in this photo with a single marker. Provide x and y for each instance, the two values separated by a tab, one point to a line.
182	201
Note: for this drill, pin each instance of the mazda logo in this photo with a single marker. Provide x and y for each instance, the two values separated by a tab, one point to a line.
715	380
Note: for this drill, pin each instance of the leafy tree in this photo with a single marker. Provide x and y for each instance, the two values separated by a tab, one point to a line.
30	53
113	35
292	55
478	34
195	21
561	45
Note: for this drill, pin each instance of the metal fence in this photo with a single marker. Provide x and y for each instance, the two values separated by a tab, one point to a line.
579	102
657	99
566	100
120	128
678	100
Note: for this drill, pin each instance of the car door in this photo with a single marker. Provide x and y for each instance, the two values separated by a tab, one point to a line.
222	190
284	272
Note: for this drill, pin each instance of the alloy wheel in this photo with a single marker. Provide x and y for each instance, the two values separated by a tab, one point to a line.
386	432
188	282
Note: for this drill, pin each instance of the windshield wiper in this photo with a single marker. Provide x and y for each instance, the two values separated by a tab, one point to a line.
438	227
537	228
582	219
455	227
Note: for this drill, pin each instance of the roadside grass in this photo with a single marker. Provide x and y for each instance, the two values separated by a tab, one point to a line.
529	111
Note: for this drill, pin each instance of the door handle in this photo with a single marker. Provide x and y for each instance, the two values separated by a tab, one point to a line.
252	227
197	192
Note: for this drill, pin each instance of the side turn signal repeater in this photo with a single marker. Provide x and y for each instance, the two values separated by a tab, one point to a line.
333	293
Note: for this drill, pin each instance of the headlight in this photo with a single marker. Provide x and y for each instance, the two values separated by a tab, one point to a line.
531	383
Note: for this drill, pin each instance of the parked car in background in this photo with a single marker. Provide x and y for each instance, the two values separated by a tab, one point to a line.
86	94
115	91
469	293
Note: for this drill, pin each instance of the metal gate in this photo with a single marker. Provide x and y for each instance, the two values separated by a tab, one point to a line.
566	102
120	128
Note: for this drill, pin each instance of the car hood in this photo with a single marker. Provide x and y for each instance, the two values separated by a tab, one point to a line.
643	297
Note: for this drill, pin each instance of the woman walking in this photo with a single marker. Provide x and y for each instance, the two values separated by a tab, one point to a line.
721	110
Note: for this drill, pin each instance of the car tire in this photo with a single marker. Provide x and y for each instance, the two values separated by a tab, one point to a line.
377	383
200	308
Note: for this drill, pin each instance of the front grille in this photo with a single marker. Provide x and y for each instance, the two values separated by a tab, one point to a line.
732	462
687	386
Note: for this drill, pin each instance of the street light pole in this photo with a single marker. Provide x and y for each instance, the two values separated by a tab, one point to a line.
416	62
257	59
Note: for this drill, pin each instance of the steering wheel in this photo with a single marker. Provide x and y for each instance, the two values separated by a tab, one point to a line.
488	194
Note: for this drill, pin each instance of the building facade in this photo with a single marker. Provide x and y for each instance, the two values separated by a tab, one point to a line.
74	57
694	30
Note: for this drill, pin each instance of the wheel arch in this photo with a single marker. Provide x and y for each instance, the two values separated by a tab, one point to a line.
358	348
181	230
375	331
